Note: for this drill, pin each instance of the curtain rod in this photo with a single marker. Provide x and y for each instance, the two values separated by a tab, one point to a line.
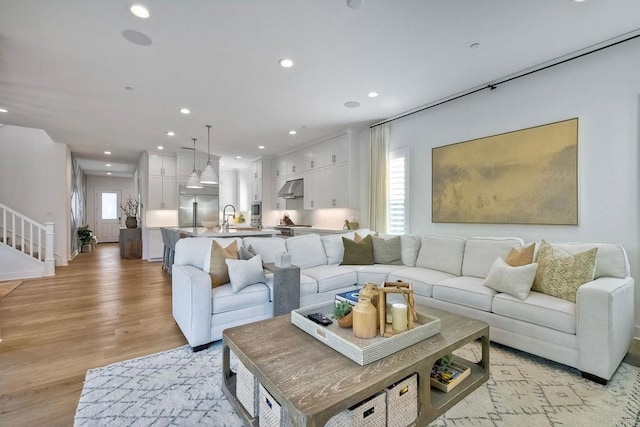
491	86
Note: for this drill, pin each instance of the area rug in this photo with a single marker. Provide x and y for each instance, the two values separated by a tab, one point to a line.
7	287
179	387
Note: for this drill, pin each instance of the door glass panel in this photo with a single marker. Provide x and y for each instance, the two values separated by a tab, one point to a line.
109	205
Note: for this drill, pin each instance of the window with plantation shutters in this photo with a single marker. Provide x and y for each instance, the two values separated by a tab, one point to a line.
398	191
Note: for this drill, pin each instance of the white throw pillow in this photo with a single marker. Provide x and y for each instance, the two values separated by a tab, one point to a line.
515	281
306	250
243	273
333	246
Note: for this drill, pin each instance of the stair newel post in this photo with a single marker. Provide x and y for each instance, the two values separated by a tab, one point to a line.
50	261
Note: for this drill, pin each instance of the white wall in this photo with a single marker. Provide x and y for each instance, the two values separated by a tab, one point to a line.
125	185
602	90
35	181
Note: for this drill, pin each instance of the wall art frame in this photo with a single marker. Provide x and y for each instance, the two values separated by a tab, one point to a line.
527	176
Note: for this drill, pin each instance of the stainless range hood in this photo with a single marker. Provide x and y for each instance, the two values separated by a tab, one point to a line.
292	189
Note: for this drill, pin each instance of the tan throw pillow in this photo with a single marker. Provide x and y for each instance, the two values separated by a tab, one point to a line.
560	274
520	257
357	253
357	238
218	268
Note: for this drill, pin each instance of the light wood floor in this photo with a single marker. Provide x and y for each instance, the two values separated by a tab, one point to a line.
99	310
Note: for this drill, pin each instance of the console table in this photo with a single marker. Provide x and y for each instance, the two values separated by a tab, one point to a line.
313	382
128	235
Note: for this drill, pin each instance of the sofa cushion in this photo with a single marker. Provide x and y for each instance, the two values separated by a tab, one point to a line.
308	286
267	247
333	246
519	257
611	260
560	274
243	273
387	250
515	281
306	250
215	262
375	273
538	309
357	253
481	252
442	253
223	298
331	277
409	248
467	291
421	279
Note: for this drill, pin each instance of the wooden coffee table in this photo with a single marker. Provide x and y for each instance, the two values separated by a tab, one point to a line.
313	382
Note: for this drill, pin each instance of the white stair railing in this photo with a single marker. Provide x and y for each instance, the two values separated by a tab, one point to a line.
29	237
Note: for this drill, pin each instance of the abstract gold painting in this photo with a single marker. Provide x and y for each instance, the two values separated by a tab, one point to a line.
529	176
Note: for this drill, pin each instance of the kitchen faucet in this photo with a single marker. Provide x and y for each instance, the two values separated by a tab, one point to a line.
225	218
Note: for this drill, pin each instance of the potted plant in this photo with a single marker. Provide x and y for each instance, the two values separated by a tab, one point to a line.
342	311
130	210
85	235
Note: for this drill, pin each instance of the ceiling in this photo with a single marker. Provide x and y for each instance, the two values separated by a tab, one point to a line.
66	67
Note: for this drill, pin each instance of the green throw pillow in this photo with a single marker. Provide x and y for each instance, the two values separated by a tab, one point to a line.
560	274
360	253
387	251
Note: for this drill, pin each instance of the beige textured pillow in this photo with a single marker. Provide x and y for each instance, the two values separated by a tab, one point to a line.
357	253
387	251
561	274
515	281
217	267
520	257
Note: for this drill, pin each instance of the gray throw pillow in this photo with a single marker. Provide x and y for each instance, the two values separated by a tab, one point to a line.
246	253
387	251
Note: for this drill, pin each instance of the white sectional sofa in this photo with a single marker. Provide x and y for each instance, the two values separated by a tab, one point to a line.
447	272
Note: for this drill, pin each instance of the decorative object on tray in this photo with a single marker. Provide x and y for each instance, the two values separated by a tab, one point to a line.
365	319
399	317
350	296
371	291
406	290
342	310
447	373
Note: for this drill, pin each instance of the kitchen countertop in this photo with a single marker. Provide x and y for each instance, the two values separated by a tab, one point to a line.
233	232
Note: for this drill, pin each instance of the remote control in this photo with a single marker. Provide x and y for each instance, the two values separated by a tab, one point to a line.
320	319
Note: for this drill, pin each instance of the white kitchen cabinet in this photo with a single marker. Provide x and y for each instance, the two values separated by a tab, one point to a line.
341	183
256	170
162	165
162	193
156	245
228	188
278	202
256	191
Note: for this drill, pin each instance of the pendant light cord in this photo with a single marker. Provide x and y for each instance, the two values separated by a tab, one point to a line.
194	154
209	143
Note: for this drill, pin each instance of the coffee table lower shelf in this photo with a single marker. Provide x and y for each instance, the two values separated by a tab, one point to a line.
418	358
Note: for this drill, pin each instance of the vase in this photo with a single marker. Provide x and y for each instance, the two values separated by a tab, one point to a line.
371	292
365	319
346	321
131	222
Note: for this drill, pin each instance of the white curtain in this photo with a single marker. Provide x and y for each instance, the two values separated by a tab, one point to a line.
378	186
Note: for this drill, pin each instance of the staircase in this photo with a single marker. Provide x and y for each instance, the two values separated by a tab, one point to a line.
26	246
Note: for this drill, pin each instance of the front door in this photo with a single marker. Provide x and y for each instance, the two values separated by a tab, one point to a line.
107	215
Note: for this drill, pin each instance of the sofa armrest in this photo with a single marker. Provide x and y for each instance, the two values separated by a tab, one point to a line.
191	303
605	320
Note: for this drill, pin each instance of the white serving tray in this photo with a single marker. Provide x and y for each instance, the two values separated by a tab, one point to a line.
360	350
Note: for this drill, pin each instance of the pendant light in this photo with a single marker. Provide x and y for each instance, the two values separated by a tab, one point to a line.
209	176
194	179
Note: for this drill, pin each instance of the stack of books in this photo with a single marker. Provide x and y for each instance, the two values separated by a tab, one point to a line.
446	377
349	296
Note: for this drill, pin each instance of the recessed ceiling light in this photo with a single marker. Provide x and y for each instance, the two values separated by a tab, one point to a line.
292	132
160	147
372	94
139	10
354	4
261	147
474	45
3	110
107	153
352	104
578	1
108	173
285	63
170	133
185	111
238	157
108	165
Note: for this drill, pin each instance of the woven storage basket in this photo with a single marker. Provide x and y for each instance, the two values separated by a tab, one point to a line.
247	390
369	413
402	402
271	413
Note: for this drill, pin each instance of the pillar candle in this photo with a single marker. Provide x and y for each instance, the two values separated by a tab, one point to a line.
399	317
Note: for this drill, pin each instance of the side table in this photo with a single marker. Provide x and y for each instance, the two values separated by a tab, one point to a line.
286	288
133	235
